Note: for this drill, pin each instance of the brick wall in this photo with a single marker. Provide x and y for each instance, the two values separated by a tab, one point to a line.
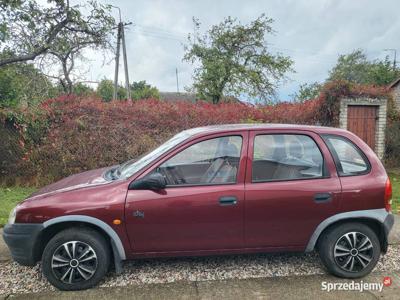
396	95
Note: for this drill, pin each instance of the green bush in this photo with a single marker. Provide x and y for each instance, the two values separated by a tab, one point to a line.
23	84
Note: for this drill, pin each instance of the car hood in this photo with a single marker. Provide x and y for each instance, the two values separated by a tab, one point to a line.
80	180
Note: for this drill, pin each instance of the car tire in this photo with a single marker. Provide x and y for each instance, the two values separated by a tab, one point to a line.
344	258
76	259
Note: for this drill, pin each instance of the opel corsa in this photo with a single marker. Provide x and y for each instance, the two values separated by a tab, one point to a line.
213	190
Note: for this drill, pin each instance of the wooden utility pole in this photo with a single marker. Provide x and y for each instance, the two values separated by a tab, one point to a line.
115	95
121	37
177	81
128	89
394	60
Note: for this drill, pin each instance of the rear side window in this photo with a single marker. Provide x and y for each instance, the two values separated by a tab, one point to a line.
286	157
348	157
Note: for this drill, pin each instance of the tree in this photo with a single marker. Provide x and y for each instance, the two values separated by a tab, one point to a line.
142	90
82	89
234	60
57	33
28	30
307	91
105	90
23	84
355	67
139	90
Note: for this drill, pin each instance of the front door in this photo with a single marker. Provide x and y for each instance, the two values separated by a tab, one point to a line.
202	206
291	187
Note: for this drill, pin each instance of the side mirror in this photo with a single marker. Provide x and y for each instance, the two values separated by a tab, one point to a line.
154	182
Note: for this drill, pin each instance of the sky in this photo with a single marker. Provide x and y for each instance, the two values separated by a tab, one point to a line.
312	32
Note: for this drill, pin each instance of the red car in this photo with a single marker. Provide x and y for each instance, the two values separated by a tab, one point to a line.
213	190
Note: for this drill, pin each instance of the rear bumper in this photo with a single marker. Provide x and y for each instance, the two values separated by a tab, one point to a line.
21	240
388	223
386	227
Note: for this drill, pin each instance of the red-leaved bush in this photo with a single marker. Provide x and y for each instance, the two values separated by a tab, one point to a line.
86	133
77	134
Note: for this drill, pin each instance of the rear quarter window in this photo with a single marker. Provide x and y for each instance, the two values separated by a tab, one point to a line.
349	159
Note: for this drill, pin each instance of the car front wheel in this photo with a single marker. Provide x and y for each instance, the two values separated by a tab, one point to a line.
76	259
349	250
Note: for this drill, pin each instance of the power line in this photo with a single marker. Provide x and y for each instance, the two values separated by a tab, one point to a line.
160	30
169	35
313	55
157	32
157	35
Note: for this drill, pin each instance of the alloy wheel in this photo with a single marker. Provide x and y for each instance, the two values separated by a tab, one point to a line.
353	251
74	262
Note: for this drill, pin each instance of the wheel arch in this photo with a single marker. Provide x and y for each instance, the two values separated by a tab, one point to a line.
53	226
373	218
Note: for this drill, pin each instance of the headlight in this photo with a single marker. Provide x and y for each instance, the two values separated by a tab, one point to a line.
13	214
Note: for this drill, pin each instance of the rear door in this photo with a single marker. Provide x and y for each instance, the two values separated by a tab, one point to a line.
291	186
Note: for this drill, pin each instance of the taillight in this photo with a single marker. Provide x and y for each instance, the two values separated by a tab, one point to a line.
388	195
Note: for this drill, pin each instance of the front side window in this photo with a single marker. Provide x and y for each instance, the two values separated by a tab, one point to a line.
349	159
213	161
286	157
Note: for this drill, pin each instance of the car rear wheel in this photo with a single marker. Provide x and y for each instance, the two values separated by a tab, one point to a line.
349	250
76	259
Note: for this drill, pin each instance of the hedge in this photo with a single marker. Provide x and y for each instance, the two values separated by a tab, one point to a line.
70	134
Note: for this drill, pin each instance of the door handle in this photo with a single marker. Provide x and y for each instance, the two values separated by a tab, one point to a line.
227	200
322	197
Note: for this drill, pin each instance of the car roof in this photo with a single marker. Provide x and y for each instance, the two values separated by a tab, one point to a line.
261	126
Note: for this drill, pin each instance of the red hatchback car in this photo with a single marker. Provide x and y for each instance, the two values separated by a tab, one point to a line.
213	190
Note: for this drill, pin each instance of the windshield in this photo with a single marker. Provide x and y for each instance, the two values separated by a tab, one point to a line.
132	166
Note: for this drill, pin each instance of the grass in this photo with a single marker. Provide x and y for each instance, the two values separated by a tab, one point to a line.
395	180
9	197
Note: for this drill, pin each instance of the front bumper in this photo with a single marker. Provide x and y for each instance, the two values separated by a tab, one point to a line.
21	239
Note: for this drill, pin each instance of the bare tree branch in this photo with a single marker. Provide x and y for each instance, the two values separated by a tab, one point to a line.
32	30
39	50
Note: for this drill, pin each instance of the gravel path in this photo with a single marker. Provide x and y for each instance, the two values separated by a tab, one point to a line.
18	279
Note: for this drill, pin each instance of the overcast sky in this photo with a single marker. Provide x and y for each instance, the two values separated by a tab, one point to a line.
312	32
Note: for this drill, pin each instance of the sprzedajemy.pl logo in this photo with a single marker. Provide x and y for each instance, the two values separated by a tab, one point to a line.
356	285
